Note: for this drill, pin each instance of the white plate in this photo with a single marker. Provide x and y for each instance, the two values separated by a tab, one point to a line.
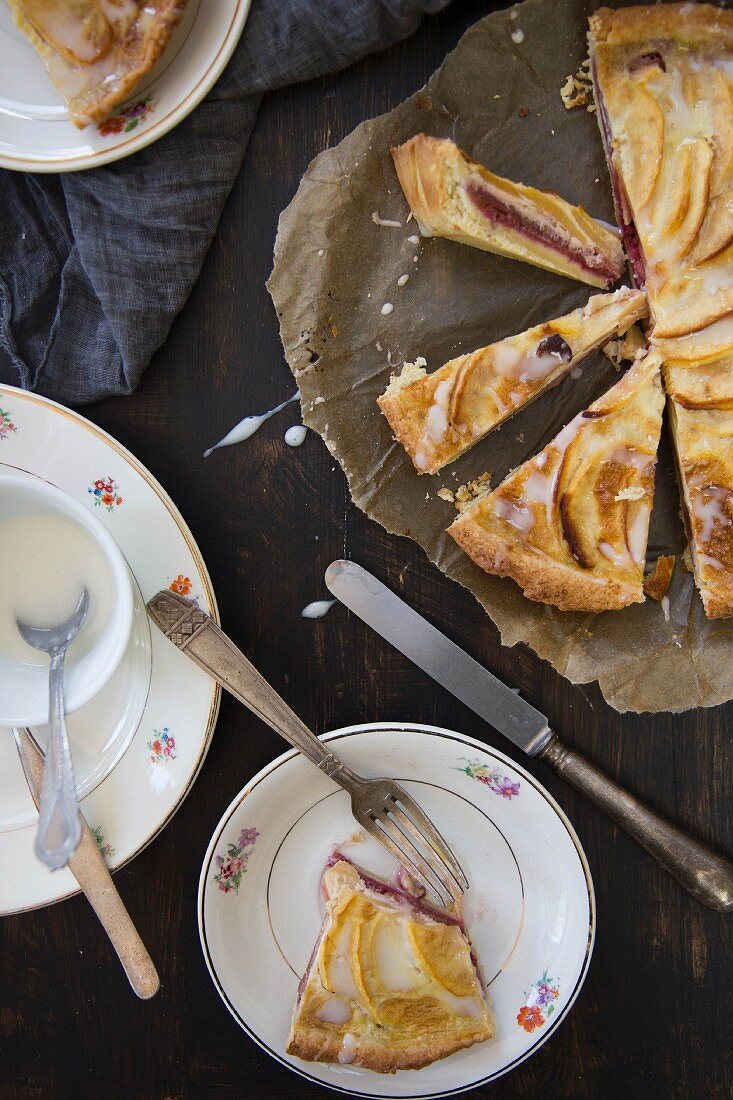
530	910
139	744
35	132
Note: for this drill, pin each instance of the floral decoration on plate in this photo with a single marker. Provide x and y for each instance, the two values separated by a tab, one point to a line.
129	118
104	846
539	1003
105	492
500	784
162	746
183	586
6	424
233	865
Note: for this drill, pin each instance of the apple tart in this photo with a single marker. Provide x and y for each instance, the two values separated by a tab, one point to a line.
97	51
392	982
452	196
663	81
438	416
570	526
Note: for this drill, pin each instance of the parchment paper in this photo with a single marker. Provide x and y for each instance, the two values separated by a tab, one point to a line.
334	270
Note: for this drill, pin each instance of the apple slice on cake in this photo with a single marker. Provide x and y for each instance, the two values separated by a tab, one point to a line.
570	526
438	416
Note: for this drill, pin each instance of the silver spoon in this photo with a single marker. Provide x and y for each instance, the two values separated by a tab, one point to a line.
59	827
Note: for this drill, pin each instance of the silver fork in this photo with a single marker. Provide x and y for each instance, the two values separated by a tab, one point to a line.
59	827
381	806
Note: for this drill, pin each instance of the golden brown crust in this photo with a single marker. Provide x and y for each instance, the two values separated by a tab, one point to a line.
570	525
311	1046
438	417
446	188
128	59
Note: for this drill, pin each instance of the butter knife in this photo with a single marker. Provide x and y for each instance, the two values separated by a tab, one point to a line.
91	872
704	873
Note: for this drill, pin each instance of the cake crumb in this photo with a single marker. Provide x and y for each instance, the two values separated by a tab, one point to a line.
447	494
631	492
321	251
466	494
524	111
578	89
658	581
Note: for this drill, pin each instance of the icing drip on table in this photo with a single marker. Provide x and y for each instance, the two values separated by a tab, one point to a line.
249	425
317	609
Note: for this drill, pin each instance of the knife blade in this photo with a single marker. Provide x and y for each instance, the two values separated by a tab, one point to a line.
437	655
700	870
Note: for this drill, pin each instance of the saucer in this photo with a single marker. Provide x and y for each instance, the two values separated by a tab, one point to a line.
139	744
530	909
35	132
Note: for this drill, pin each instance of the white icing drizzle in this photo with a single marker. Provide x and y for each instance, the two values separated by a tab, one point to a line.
295	435
665	607
335	1010
388	222
518	516
317	609
436	424
349	1046
249	425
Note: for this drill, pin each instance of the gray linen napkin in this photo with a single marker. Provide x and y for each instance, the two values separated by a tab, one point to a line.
95	265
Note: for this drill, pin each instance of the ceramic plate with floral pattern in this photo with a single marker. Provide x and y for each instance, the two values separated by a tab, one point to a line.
139	744
35	132
530	910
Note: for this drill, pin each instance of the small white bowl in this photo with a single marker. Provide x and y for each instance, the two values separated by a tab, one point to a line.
24	688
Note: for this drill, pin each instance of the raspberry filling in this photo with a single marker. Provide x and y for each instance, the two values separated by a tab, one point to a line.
500	212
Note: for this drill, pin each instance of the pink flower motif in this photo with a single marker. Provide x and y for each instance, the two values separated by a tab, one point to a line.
247	837
233	865
506	788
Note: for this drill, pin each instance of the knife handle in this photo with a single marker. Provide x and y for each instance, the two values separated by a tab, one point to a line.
701	871
200	638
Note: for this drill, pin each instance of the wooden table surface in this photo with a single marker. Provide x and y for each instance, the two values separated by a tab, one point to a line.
654	1019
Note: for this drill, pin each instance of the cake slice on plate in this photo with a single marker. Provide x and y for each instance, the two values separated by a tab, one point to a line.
392	982
701	418
570	526
663	83
97	51
438	416
453	196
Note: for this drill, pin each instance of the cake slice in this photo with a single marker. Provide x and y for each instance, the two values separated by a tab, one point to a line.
570	526
453	196
392	982
97	51
436	417
701	418
663	81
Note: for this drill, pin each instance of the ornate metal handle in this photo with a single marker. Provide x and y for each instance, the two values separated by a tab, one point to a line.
703	873
198	636
59	828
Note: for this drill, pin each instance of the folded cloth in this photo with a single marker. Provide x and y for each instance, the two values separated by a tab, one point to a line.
95	265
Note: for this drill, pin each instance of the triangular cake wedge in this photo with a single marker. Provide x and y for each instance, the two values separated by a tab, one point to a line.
663	82
97	51
438	416
701	418
570	526
453	196
392	982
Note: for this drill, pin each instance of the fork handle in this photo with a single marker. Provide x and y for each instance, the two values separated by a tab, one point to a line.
59	829
704	873
198	636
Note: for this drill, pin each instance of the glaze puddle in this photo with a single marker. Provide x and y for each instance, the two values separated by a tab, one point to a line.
317	609
295	436
249	425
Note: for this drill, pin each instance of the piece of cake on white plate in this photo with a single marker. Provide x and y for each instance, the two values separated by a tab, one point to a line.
392	983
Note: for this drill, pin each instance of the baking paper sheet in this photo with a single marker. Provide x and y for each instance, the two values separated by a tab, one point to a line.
335	269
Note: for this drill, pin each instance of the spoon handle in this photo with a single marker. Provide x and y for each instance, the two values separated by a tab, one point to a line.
91	872
59	827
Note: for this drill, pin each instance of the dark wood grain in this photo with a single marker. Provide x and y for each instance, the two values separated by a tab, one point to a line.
654	1018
